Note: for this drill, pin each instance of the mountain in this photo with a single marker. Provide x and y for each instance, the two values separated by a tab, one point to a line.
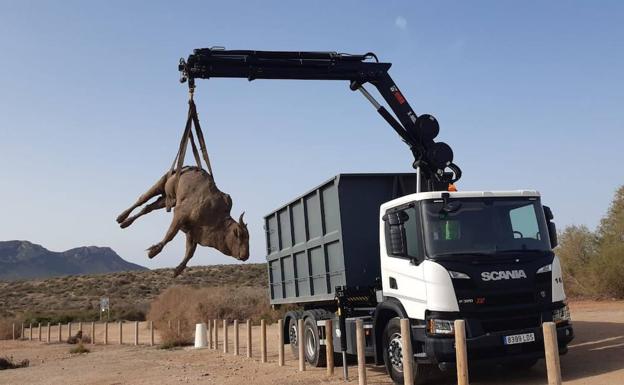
26	260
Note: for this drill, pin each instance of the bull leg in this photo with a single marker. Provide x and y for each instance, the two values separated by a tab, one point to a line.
171	233
155	190
157	205
191	246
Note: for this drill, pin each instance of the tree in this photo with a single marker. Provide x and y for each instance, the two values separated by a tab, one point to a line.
607	266
577	248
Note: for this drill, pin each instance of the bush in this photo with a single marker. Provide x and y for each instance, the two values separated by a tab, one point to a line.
79	349
9	363
192	305
6	328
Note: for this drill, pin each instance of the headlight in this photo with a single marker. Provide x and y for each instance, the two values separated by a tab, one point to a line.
561	315
441	326
544	269
458	275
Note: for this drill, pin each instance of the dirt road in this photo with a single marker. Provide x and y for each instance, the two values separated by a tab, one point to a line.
596	356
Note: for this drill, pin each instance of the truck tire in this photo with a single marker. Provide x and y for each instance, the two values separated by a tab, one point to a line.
314	351
293	337
392	355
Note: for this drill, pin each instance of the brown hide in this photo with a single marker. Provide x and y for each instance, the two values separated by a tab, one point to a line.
201	211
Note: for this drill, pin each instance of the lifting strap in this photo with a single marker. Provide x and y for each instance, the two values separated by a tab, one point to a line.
187	136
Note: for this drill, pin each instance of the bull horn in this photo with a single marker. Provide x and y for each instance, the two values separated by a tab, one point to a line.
240	219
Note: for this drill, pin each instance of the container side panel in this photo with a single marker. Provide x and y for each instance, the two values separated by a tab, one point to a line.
303	275
284	222
331	210
273	234
298	222
319	273
313	211
360	200
335	262
276	279
289	276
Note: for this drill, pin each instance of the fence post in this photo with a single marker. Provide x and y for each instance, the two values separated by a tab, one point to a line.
361	355
30	332
14	331
249	347
120	332
236	345
136	333
408	358
329	346
80	326
461	352
39	331
552	353
105	332
151	326
215	326
225	336
169	324
280	342
263	341
60	332
49	333
179	328
22	335
300	343
210	335
92	333
69	329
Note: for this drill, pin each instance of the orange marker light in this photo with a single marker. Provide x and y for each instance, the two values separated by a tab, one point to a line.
452	188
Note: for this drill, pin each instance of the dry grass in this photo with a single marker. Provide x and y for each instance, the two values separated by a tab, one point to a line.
74	298
190	305
6	328
9	363
79	349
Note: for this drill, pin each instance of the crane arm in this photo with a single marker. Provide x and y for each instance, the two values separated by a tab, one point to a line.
418	132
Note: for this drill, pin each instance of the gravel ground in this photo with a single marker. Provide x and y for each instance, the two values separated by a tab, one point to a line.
596	356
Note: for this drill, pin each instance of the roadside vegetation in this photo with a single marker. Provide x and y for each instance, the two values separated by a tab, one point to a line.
10	363
191	305
593	261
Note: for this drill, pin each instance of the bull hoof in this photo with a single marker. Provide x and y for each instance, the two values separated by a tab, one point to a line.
178	270
125	223
154	250
122	217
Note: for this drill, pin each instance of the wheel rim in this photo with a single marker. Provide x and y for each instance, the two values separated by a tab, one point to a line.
395	352
292	334
310	342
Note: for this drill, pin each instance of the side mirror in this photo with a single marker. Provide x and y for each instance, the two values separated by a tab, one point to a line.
552	229
395	237
552	234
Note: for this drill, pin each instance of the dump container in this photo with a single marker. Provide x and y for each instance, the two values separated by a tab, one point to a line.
329	237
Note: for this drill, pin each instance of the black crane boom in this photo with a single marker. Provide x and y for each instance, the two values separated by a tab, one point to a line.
432	158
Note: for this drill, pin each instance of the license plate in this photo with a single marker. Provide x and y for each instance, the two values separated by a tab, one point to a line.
519	339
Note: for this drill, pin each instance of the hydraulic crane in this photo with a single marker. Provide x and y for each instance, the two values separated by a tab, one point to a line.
433	160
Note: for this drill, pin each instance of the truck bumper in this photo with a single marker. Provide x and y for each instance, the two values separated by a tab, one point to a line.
490	348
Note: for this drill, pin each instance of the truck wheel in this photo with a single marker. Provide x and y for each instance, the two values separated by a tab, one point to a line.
293	337
314	351
393	355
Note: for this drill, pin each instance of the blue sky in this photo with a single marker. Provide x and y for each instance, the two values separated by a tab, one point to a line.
529	94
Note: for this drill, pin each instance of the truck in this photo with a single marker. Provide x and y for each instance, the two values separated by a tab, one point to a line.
383	247
370	247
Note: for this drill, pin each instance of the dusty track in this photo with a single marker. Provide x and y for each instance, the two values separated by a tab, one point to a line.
596	356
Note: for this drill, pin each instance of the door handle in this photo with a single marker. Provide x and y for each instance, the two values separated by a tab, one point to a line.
393	283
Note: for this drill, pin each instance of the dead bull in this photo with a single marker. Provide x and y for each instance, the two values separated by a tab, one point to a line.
201	211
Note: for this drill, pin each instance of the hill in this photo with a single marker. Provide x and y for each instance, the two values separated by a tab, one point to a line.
26	260
77	297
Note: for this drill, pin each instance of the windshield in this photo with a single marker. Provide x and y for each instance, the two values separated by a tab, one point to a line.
484	226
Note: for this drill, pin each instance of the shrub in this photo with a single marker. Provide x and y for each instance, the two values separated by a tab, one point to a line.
79	349
192	305
9	363
6	328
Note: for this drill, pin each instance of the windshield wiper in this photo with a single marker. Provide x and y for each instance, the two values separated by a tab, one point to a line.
507	251
463	254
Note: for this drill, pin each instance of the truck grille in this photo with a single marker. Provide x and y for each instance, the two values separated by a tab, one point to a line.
502	324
